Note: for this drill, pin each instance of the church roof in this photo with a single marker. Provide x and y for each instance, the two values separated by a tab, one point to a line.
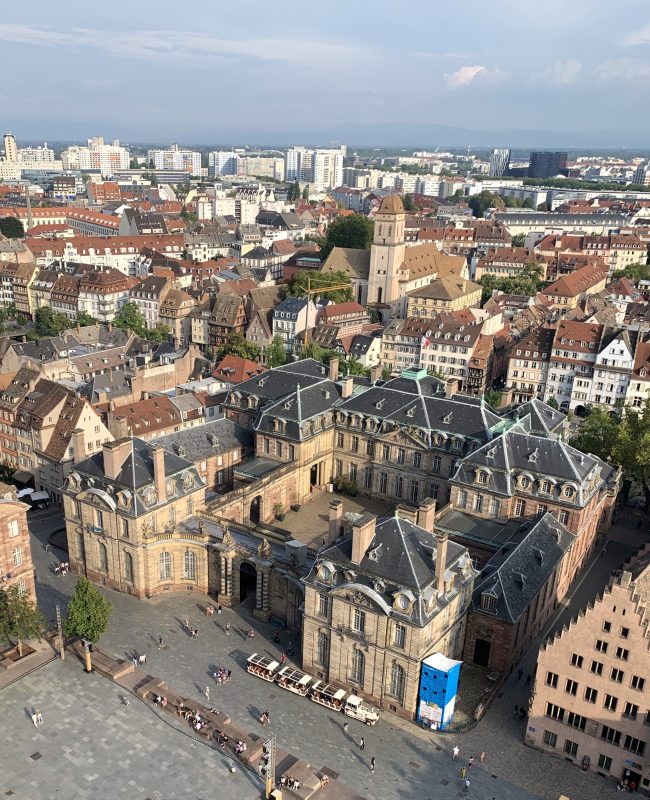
391	204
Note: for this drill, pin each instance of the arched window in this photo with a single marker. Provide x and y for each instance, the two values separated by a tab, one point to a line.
323	648
128	567
165	562
189	565
103	557
358	666
397	681
17	556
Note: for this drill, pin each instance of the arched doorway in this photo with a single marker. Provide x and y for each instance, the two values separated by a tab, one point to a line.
254	513
313	475
247	581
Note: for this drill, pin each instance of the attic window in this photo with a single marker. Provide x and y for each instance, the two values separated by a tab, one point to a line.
488	603
533	456
410	412
288	404
447	418
380	403
261	382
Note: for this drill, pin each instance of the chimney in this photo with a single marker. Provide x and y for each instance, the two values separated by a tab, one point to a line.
348	385
427	514
334	369
375	373
442	539
363	532
406	512
159	472
115	454
120	427
335	518
451	387
79	445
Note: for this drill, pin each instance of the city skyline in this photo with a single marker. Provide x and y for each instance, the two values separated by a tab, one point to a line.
311	78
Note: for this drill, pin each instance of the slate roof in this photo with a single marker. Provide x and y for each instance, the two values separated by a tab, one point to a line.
297	408
515	575
538	418
360	345
204	441
113	384
290	305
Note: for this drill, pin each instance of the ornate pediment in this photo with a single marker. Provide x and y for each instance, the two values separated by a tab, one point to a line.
403	436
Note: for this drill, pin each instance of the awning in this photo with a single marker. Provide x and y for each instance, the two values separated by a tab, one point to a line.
22	476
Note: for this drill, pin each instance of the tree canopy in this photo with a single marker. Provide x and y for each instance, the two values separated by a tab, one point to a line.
19	618
636	272
12	228
158	333
50	323
88	612
620	439
480	203
129	317
276	355
528	281
354	231
320	280
84	319
238	345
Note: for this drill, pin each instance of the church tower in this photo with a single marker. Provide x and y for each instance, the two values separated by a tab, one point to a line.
387	253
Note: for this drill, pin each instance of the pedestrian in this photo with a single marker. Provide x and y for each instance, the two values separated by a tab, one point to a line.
529	678
227	629
135	661
470	761
515	712
283	658
35	719
372	764
160	642
463	773
39	718
455	752
467	783
520	673
362	743
207	693
127	702
251	635
481	756
219	609
345	727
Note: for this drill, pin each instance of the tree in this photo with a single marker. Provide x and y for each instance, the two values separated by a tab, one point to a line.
50	323
552	402
19	618
84	319
320	280
518	240
493	398
312	350
88	612
480	203
276	355
159	333
636	272
352	366
305	193
527	281
238	345
12	228
354	230
129	317
187	215
385	374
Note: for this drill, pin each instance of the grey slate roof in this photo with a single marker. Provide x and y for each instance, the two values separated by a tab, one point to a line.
514	576
204	441
291	305
538	418
114	384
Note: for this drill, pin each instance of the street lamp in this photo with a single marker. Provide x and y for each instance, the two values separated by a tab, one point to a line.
89	663
268	765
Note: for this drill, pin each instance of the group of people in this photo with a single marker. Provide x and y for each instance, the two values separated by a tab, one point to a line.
222	675
138	661
290	783
62	569
37	718
190	630
160	701
240	747
209	611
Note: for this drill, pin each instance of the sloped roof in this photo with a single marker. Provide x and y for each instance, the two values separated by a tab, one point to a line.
354	263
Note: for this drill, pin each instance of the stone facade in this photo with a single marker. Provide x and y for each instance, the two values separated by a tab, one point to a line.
16	568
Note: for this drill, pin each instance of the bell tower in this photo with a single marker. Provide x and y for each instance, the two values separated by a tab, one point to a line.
387	252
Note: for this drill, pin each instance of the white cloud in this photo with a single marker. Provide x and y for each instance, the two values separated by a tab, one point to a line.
642	36
622	69
181	45
563	71
464	76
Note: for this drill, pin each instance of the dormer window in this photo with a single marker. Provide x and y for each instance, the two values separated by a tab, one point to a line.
488	603
524	482
568	491
481	476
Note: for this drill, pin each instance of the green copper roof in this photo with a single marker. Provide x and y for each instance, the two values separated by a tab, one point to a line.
414	374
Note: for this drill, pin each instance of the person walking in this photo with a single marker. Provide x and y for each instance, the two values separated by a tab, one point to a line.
207	693
345	727
372	764
455	752
227	629
481	756
35	719
470	761
463	773
160	643
39	718
362	743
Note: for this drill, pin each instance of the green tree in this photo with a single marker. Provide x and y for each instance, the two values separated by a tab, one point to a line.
353	231
305	193
518	240
84	318
528	281
552	402
129	317
312	350
187	215
276	355
352	366
493	398
480	203
320	280
19	618
385	374
159	333
88	612
50	323
12	228
636	272
237	345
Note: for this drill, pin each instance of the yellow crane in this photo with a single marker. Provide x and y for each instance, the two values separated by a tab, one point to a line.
309	292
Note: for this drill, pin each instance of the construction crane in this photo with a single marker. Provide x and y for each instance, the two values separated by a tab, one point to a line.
309	292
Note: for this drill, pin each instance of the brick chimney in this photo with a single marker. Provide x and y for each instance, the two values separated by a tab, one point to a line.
406	512
78	445
120	427
427	514
363	532
159	472
334	369
442	539
335	518
348	385
375	373
115	454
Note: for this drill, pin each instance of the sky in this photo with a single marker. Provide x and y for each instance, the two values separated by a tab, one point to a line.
207	71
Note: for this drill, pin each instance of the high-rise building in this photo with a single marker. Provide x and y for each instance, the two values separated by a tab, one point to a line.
11	151
547	164
322	167
105	158
499	162
36	154
174	158
642	174
222	162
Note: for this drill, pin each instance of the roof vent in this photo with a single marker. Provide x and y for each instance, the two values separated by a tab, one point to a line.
447	418
410	412
380	403
533	456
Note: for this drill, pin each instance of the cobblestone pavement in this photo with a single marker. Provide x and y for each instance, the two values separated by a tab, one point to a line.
93	747
410	761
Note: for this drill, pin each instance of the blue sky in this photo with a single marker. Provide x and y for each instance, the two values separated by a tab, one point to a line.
204	71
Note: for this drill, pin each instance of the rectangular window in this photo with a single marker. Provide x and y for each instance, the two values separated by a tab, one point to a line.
541	510
417	460
551	679
625	632
414	492
478	503
591	695
292	452
399	486
622	653
636	746
278	448
576	721
571	687
369	447
601	646
13	527
383	482
520	508
596	667
604	762
631	711
401	455
323	605
338	467
400	635
267	446
355	444
617	675
340	440
359	621
610	735
576	660
495	507
571	748
563	517
554	712
610	702
385	452
607	626
462	499
637	683
367	477
436	464
550	738
353	472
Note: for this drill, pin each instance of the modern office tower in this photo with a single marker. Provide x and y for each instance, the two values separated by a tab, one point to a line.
499	161
547	164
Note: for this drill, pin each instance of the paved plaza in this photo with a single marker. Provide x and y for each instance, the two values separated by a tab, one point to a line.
410	762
